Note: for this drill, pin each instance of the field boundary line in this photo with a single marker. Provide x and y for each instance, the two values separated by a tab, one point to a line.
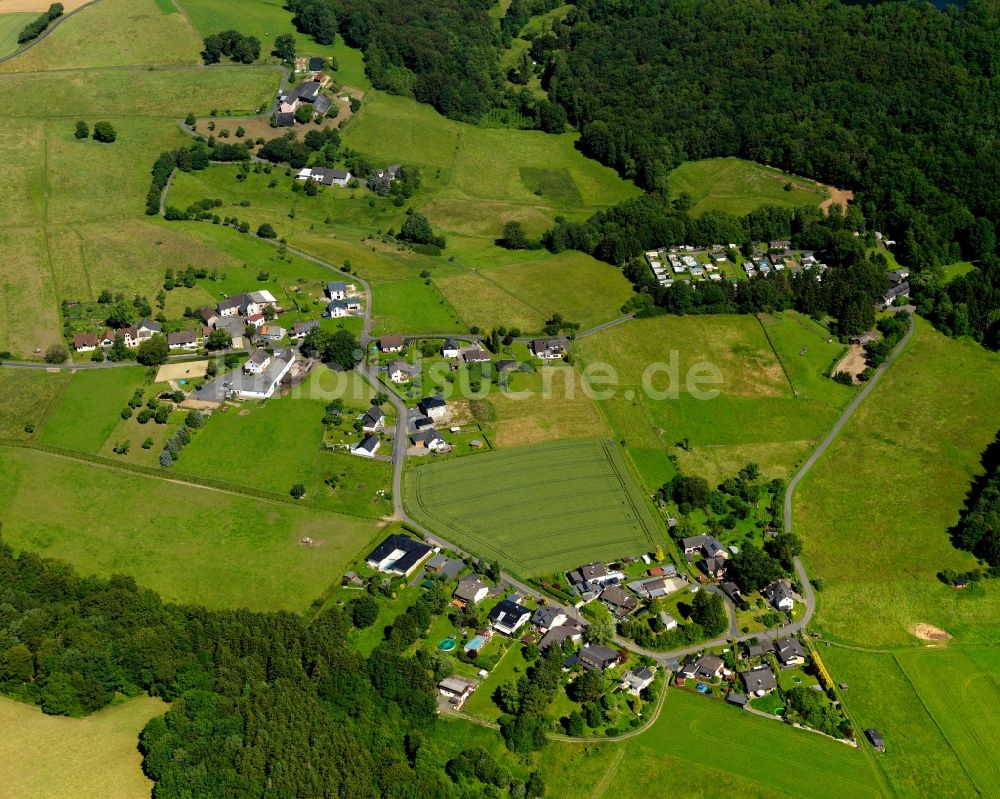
781	363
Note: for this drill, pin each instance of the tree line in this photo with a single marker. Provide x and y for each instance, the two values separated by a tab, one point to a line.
37	26
978	528
232	44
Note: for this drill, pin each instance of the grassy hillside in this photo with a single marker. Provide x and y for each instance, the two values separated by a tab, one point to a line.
54	757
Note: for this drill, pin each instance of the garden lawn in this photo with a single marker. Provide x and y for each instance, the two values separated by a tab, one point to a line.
54	757
738	187
189	544
901	467
90	408
128	31
538	509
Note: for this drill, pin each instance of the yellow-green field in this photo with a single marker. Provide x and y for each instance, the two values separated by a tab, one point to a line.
113	33
11	24
53	757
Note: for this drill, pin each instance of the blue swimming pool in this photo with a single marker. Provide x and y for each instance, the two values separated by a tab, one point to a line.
475	642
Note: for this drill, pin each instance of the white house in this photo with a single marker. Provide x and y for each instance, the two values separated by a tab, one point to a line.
450	349
433	407
373	420
336	290
507	616
779	595
367	447
335	309
429	439
184	340
257	363
456	690
471	590
85	342
400	371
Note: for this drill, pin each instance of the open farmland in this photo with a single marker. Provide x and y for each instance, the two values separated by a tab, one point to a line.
189	544
902	466
129	32
11	24
738	187
27	396
53	757
537	509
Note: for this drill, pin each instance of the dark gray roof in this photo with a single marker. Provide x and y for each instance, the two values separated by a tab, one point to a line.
322	104
284	120
508	613
546	615
369	443
760	678
468	587
373	415
315	64
429	403
556	635
414	551
597	657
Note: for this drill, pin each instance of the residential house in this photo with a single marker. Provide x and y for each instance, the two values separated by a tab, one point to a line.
897	276
707	545
322	175
398	554
284	119
548	349
476	355
428	439
401	371
184	340
335	309
450	348
652	589
367	447
258	362
547	617
779	595
106	339
302	329
353	304
336	290
85	342
618	601
759	680
508	615
703	667
391	343
422	423
790	651
662	571
436	564
569	631
668	621
433	407
635	682
256	320
250	383
471	590
456	690
760	649
316	64
247	304
732	590
597	658
899	290
373	420
270	334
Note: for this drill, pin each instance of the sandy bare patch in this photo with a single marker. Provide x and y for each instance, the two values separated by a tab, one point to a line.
181	371
198	405
928	632
839	197
9	6
853	363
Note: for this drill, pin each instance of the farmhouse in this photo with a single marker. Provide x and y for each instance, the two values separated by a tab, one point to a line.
433	407
247	304
253	381
325	177
707	545
899	290
475	355
635	682
85	342
759	680
450	348
400	371
302	329
705	667
471	590
398	554
391	343
779	595
456	690
367	447
596	658
547	617
373	420
790	651
184	340
258	362
507	616
570	631
548	349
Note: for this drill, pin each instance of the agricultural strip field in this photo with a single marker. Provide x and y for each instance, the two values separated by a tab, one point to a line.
189	544
54	757
129	32
738	187
537	509
753	417
901	467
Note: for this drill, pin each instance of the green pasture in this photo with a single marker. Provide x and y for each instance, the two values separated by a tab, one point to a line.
54	757
27	396
738	187
537	509
30	322
413	306
128	31
899	471
90	408
11	25
189	544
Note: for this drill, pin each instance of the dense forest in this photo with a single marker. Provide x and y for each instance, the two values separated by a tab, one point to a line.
263	704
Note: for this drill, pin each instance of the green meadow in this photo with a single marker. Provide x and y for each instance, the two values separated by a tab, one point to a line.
90	408
27	397
738	187
189	544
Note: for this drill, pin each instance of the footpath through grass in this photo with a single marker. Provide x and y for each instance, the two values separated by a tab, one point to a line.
539	509
53	757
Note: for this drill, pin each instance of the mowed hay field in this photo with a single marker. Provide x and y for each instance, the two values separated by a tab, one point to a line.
189	544
898	473
537	509
114	33
53	757
749	413
738	187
